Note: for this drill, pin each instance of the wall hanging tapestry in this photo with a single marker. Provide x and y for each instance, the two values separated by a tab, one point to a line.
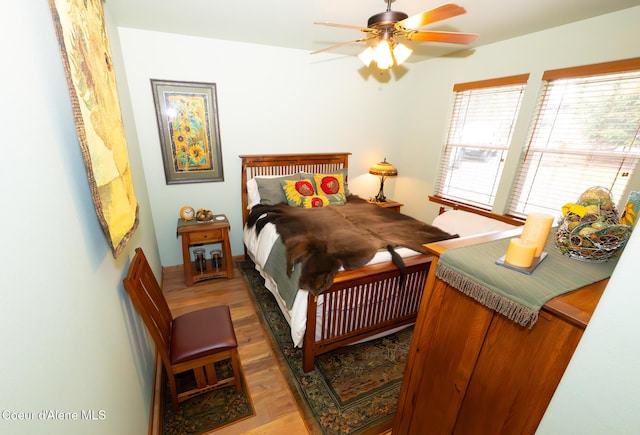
189	133
96	109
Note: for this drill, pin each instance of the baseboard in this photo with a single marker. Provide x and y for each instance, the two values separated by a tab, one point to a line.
155	413
171	268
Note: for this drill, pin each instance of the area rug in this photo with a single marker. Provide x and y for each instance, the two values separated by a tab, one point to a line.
352	390
205	412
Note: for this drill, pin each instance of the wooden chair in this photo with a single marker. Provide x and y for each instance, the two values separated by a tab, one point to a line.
192	341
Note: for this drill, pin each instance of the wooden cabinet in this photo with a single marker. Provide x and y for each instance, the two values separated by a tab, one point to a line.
471	370
196	233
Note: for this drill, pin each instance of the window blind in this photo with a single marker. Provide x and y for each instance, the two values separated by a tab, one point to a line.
480	130
585	134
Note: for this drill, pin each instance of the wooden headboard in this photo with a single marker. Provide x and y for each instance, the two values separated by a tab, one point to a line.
283	164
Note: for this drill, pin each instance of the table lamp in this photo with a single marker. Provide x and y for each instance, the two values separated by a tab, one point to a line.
383	170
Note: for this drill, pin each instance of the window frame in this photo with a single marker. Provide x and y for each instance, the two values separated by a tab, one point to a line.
518	183
448	152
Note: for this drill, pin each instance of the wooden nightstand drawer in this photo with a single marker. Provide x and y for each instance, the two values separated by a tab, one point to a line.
205	236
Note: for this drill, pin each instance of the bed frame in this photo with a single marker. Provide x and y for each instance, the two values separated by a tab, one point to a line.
387	308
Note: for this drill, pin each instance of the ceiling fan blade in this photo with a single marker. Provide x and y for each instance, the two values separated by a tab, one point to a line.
431	16
447	37
344	26
343	44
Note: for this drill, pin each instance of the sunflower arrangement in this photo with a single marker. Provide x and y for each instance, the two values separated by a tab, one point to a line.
590	229
188	135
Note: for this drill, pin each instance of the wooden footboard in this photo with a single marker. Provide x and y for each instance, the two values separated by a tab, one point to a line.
368	302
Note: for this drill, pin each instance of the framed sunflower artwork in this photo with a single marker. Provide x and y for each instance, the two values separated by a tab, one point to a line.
187	116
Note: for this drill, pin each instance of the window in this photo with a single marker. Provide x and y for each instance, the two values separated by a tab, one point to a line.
480	131
585	134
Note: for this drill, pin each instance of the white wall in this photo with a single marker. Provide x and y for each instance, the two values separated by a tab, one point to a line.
70	340
598	393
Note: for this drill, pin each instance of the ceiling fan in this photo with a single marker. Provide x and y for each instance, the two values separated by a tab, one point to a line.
384	27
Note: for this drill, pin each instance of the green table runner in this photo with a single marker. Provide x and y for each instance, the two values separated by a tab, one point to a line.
519	296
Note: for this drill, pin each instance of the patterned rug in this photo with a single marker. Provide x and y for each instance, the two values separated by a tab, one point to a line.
352	390
205	412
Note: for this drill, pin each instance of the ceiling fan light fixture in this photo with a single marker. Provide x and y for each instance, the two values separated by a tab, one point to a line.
383	54
384	28
366	56
401	53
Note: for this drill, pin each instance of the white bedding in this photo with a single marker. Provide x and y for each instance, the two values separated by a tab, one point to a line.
464	223
259	248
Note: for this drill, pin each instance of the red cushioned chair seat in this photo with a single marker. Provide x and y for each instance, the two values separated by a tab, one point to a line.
201	333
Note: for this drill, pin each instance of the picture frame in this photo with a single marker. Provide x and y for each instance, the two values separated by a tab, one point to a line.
189	131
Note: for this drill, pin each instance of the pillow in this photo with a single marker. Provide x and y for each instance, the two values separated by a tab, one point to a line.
253	196
269	189
301	193
331	185
315	201
344	172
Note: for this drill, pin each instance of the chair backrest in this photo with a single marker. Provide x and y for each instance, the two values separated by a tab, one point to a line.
147	297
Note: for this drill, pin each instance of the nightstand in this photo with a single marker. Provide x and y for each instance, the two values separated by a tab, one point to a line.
390	204
196	233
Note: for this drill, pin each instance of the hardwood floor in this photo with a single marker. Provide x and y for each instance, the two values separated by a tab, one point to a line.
275	407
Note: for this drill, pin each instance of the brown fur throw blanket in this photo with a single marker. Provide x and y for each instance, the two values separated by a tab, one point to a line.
325	239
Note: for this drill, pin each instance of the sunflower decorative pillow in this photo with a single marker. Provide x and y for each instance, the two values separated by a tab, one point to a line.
301	193
331	186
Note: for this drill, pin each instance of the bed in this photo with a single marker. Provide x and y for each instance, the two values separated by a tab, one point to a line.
338	316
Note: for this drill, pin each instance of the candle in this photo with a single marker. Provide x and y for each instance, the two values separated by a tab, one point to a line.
520	253
536	230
